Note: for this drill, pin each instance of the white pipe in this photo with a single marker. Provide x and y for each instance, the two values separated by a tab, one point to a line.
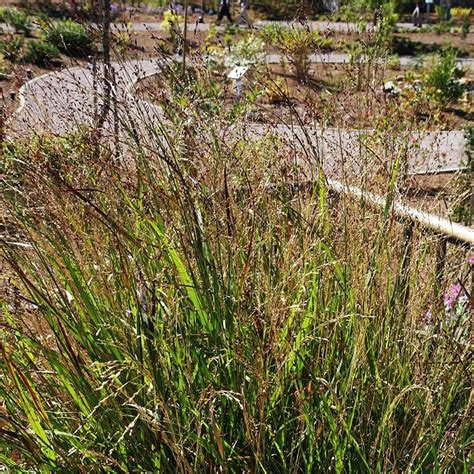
434	223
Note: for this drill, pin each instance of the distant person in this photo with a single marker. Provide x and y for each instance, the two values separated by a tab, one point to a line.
244	14
202	11
428	6
416	15
448	10
224	11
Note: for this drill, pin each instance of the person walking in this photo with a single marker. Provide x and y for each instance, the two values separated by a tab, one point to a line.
416	15
428	6
448	10
224	11
201	16
244	18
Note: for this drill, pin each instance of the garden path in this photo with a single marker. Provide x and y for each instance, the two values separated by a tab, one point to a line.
61	101
342	27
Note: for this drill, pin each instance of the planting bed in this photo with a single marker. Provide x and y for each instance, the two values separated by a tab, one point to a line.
187	288
328	96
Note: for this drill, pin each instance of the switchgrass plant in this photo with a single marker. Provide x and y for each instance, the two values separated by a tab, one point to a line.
199	303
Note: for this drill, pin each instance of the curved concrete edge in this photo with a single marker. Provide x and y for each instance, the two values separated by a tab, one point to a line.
324	58
444	227
22	91
131	72
436	224
439	225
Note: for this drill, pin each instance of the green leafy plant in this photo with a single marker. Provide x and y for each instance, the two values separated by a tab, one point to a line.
442	77
465	27
211	36
12	48
440	12
3	68
171	24
41	53
296	43
389	14
171	21
69	37
276	91
19	19
461	13
249	50
347	13
125	39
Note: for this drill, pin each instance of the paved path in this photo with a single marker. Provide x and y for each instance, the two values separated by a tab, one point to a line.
329	58
316	25
210	20
343	58
60	101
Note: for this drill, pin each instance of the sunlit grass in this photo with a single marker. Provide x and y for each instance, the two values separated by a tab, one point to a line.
196	307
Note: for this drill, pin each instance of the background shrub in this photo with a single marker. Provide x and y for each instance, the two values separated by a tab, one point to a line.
41	53
69	37
11	48
18	19
296	43
443	77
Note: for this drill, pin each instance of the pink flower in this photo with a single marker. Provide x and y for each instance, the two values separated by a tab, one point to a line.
470	260
451	296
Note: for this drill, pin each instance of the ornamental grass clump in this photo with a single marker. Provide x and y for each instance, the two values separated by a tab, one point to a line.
193	303
12	47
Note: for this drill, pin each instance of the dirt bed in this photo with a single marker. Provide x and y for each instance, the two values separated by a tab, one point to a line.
328	96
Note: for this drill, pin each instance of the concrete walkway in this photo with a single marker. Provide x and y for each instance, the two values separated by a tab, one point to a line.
61	101
210	20
326	58
343	58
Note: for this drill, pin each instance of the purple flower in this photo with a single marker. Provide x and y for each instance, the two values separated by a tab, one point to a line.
451	296
470	260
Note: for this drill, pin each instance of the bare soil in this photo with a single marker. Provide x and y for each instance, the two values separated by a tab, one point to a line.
431	42
330	95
